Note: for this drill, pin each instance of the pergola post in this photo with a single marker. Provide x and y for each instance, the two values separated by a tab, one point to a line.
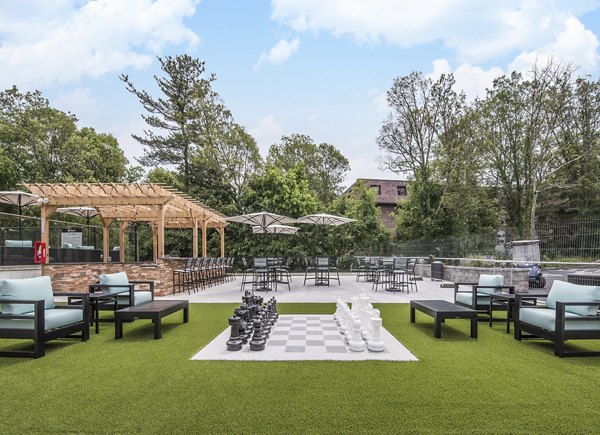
122	227
161	231
204	229
105	237
153	227
221	231
46	212
195	238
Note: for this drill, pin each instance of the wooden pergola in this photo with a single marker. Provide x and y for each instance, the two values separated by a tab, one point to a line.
159	205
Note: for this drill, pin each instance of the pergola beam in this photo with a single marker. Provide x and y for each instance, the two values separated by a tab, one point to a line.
161	206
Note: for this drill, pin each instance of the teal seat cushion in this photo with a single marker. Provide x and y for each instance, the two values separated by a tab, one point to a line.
566	292
54	318
114	280
26	289
139	297
490	280
545	318
466	298
18	243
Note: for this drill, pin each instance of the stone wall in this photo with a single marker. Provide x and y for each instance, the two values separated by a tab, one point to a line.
76	277
517	277
18	272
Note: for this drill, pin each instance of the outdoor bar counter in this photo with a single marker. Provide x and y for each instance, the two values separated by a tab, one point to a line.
76	277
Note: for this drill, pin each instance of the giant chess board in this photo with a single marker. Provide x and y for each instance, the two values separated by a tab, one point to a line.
305	337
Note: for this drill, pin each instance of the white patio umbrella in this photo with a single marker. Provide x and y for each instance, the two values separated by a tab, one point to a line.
261	219
324	219
20	199
275	229
84	212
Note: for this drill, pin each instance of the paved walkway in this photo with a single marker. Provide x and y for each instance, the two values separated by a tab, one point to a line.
230	292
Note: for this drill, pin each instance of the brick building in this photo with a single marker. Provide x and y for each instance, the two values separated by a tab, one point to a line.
388	194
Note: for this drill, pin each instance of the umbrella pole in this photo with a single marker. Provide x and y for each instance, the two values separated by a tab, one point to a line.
20	221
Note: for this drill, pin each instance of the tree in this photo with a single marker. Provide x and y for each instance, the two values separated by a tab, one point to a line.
366	236
324	164
237	156
40	144
521	124
425	136
186	118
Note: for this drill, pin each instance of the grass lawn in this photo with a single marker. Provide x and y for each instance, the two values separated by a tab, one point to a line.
140	385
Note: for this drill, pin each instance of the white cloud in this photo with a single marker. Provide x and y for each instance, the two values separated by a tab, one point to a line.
281	52
574	44
378	99
78	101
476	30
68	40
266	131
473	80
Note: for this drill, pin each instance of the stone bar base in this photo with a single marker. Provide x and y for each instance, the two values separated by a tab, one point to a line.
76	277
517	277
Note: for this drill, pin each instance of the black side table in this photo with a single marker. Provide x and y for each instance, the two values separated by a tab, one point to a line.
508	300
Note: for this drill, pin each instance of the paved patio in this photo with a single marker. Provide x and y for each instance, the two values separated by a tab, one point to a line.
230	292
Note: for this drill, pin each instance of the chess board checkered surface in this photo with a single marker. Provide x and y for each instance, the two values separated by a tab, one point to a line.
304	337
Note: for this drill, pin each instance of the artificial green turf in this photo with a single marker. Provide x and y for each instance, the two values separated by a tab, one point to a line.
140	385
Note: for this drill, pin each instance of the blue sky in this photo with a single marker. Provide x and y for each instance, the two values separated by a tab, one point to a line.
316	67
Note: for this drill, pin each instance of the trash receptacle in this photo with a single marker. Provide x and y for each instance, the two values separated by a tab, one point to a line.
437	270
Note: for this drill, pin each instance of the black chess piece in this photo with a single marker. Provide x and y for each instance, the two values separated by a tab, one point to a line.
275	309
257	342
235	342
242	314
266	326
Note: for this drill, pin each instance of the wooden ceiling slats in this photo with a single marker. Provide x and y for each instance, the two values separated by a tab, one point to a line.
131	202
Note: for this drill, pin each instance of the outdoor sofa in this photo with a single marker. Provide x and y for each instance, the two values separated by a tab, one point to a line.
28	311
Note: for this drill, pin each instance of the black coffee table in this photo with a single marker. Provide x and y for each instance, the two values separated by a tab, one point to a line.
154	310
442	310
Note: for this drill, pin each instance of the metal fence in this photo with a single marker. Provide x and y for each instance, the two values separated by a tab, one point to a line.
573	241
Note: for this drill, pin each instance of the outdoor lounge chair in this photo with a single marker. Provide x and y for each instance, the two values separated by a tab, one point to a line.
28	311
129	293
571	312
477	297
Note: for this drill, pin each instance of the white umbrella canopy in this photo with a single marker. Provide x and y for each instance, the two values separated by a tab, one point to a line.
324	219
20	199
275	229
85	212
262	219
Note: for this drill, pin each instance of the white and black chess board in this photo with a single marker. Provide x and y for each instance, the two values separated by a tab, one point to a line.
304	337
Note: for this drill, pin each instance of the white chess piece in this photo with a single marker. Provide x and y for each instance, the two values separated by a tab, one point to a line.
366	330
375	343
354	303
345	325
356	343
338	311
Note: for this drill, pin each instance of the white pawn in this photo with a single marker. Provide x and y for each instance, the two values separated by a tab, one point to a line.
375	343
356	343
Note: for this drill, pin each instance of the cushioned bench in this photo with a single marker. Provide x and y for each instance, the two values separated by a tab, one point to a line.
28	311
571	313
